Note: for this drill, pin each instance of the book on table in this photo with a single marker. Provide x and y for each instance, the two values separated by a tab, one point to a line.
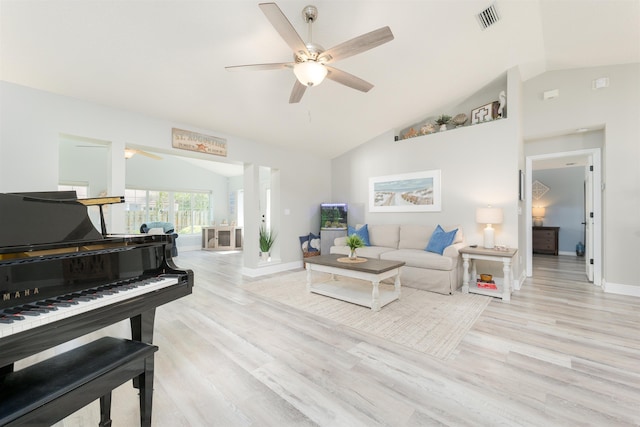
486	285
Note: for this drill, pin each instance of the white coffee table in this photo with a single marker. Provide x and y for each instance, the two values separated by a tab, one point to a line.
372	270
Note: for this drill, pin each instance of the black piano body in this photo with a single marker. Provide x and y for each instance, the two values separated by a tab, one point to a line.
49	248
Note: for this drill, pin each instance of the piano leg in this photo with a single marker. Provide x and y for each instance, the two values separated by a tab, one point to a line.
105	410
142	326
145	382
142	330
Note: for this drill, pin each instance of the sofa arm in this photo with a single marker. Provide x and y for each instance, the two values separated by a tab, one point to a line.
452	251
340	241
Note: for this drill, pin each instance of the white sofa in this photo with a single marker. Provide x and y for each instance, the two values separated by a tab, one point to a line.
423	270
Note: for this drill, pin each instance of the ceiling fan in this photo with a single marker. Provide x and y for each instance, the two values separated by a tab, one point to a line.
309	59
128	152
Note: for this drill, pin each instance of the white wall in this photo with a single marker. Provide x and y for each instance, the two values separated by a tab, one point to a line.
31	122
617	109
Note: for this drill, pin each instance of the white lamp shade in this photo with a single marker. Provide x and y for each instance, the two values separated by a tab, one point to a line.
489	215
310	73
538	212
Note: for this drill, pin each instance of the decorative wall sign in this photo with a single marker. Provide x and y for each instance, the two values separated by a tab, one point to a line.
193	141
538	190
412	192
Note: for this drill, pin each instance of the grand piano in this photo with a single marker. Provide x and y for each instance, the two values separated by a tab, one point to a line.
61	278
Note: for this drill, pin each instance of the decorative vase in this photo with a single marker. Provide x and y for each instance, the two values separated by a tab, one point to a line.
443	127
352	254
264	256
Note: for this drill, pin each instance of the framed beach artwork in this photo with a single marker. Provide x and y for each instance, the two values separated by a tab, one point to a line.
411	192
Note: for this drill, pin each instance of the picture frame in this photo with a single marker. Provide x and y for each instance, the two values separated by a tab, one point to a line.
521	186
411	192
484	113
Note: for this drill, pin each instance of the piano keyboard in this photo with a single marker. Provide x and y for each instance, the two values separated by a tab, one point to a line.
28	316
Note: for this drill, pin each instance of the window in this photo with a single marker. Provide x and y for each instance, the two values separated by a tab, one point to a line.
82	190
188	212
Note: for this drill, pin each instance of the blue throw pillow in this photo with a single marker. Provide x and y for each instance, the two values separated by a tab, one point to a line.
314	243
363	232
440	239
304	243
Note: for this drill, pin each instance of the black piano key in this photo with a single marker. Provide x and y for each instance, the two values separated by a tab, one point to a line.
21	312
39	309
49	306
66	299
56	303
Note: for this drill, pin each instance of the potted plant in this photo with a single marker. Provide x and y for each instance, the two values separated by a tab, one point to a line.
267	237
354	242
443	120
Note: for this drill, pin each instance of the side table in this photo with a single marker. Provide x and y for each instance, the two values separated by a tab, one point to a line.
470	255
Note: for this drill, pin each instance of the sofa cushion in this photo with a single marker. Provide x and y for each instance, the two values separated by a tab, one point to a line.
440	239
386	235
362	232
420	258
414	236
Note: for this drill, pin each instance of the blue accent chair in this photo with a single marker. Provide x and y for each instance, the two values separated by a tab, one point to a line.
168	229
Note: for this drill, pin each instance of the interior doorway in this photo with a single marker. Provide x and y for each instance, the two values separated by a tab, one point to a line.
590	159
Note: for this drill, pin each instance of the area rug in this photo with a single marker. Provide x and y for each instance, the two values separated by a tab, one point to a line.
424	321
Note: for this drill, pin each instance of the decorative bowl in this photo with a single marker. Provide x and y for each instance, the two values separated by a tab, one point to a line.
486	277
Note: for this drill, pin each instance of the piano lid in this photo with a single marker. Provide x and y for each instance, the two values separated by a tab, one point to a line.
38	218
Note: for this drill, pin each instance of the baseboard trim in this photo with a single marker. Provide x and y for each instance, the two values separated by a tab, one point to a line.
569	253
620	289
271	268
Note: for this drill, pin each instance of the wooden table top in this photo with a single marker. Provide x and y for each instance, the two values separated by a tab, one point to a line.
506	253
371	265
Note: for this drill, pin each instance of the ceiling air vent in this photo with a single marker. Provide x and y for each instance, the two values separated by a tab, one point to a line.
488	17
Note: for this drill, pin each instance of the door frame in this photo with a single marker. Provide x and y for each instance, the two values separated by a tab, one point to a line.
596	208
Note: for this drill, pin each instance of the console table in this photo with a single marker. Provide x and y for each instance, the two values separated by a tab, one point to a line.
222	237
470	255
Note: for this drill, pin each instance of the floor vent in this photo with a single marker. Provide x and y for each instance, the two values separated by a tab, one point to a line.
488	17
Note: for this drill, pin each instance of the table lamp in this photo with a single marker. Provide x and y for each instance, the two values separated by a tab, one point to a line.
538	214
489	216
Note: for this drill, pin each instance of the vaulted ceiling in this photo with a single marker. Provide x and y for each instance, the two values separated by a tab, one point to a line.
167	58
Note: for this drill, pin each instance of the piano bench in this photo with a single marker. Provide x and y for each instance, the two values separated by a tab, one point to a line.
48	391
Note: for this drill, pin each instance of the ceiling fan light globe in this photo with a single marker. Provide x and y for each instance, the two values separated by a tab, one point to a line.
310	73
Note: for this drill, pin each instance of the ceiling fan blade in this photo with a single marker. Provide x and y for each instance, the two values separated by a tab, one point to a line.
347	79
144	153
258	67
357	45
284	28
297	92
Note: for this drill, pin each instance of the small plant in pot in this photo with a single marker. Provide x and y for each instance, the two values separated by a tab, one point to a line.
267	237
354	242
442	121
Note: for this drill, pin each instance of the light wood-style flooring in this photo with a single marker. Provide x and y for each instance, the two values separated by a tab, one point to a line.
562	353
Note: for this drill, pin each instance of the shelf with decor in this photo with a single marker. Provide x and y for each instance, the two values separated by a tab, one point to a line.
486	105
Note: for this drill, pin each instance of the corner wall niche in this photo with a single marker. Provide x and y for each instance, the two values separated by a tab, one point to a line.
486	105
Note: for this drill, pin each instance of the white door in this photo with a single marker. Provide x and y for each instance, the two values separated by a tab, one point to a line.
588	218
